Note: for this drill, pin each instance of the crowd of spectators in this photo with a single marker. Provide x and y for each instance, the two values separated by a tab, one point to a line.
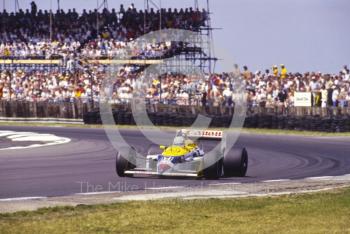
72	37
48	85
94	49
111	48
264	89
278	88
37	33
40	50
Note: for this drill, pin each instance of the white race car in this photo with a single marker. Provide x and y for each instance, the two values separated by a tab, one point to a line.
186	158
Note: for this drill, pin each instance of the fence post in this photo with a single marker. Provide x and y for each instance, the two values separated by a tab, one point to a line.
1	108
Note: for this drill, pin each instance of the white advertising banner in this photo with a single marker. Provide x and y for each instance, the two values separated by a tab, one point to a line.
302	99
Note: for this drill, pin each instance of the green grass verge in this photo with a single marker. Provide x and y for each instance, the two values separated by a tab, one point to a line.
244	130
308	213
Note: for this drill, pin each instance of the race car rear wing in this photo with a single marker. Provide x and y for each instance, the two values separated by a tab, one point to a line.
202	134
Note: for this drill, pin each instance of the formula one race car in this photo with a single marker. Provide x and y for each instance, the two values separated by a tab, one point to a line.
186	157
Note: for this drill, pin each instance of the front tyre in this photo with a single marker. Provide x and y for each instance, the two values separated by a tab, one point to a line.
122	165
214	171
236	163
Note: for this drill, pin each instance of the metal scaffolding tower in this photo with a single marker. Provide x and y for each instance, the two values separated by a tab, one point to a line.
200	50
17	7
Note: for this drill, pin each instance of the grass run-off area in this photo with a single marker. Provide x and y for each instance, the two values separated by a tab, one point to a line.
327	212
131	127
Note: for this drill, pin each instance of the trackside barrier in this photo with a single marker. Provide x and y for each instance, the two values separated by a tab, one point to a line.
25	109
310	119
293	118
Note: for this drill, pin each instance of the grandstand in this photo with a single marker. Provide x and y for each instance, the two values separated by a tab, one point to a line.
48	43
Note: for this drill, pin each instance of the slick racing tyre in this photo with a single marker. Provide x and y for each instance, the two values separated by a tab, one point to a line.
122	164
235	163
214	171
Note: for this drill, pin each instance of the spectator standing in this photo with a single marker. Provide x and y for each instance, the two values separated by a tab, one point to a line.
346	73
335	96
342	98
283	71
227	93
34	8
282	96
246	73
1	90
324	93
204	99
329	96
275	70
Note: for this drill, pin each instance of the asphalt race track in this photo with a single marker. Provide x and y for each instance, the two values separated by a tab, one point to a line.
87	163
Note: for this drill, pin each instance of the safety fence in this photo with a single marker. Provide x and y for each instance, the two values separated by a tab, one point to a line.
44	109
311	119
331	119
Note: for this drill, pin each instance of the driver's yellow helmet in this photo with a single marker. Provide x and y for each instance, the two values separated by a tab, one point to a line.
190	143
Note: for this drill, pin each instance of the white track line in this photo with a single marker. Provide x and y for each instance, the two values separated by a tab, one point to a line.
45	139
320	178
271	181
21	199
164	188
96	193
342	177
218	184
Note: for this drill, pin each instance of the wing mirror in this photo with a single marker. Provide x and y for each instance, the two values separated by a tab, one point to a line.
162	147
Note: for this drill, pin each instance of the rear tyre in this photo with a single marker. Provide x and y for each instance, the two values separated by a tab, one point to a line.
236	163
214	171
122	165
